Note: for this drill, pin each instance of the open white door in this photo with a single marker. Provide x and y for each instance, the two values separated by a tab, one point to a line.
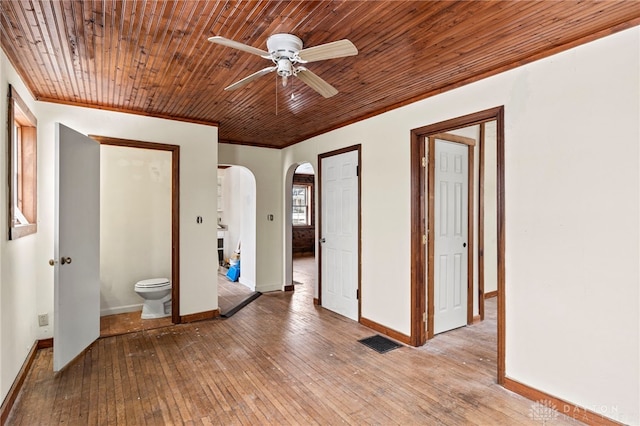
76	245
451	230
339	233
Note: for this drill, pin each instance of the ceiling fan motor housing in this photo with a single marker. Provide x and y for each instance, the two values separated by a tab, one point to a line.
284	46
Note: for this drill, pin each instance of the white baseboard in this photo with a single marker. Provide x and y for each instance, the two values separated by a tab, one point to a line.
120	310
247	283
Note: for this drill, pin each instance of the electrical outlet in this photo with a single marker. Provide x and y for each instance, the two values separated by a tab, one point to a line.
43	319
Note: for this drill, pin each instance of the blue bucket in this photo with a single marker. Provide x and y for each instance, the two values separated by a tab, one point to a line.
234	272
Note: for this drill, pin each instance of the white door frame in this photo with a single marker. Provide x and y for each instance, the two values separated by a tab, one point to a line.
358	148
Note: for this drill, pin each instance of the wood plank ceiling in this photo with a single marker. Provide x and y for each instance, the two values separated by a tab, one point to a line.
153	57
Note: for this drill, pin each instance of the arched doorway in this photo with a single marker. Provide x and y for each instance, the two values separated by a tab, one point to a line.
236	237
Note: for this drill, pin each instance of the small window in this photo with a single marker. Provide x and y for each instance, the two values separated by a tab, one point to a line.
22	158
301	205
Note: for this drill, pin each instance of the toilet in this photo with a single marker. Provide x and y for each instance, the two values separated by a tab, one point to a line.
156	293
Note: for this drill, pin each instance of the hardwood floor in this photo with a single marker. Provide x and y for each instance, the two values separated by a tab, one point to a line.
280	360
113	325
230	294
304	270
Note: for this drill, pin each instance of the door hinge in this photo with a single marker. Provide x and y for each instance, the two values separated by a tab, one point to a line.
424	161
358	170
358	294
424	317
424	239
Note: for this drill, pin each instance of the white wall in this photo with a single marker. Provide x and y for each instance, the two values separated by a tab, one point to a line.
264	164
135	223
572	229
572	195
22	262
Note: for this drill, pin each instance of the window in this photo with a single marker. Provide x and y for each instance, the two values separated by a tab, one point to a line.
301	205
22	168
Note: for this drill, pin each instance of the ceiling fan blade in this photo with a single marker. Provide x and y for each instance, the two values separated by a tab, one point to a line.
240	46
238	84
315	82
336	49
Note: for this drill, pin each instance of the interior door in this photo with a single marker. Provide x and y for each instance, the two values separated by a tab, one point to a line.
339	233
451	231
76	245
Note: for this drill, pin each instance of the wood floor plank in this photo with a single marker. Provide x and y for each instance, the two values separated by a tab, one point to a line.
92	375
118	391
279	360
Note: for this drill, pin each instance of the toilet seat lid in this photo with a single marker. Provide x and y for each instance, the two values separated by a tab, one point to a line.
152	282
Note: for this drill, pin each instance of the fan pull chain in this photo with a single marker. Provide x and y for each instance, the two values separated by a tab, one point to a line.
293	90
276	94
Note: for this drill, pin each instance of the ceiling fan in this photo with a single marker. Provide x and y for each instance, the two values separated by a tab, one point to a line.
286	53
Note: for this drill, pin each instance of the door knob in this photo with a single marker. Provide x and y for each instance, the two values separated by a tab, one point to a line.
65	260
322	240
464	244
52	262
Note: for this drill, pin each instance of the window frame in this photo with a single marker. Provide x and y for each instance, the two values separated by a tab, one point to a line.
23	178
309	194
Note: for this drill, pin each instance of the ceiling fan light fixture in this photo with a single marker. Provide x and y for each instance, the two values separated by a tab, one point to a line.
285	68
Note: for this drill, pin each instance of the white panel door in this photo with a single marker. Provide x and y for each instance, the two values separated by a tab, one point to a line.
339	233
76	245
451	229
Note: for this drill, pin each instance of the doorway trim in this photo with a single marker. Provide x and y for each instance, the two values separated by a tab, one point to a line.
431	161
358	147
419	334
175	209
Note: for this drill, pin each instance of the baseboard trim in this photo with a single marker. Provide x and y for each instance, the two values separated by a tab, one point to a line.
307	253
288	287
316	301
476	319
12	395
491	294
579	413
200	316
45	343
396	335
121	310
